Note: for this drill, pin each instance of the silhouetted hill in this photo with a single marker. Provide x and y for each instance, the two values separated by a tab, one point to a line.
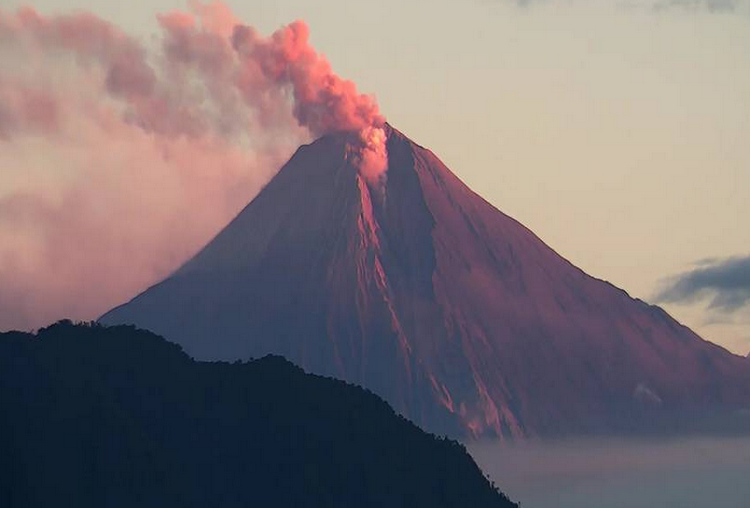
118	417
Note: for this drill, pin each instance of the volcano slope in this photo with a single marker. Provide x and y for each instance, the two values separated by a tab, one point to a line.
456	314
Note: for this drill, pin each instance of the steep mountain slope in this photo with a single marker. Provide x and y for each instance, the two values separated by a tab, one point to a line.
121	418
453	312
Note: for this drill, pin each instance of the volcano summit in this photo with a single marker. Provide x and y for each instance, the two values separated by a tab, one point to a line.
423	292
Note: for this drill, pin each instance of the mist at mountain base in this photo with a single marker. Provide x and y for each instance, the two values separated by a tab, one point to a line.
690	472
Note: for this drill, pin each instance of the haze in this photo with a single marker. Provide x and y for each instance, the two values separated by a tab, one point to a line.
621	473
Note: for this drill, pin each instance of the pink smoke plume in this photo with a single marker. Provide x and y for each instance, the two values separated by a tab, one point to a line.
120	159
323	102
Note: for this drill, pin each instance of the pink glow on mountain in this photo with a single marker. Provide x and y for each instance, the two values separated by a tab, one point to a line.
455	313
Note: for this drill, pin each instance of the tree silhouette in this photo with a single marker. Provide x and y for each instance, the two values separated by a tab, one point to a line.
118	417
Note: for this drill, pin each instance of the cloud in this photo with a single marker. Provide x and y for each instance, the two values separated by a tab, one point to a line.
121	158
711	6
705	5
726	282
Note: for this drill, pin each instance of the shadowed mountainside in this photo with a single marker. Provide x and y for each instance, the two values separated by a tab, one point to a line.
116	417
456	314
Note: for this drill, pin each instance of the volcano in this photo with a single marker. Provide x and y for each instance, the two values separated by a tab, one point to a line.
421	291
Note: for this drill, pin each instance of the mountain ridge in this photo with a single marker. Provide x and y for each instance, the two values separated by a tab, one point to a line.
118	417
418	288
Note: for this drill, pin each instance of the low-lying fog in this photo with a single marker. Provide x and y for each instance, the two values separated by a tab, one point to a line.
621	473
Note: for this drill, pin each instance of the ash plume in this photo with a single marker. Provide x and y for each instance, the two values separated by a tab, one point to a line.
120	158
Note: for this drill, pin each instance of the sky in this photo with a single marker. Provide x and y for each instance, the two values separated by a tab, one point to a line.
616	130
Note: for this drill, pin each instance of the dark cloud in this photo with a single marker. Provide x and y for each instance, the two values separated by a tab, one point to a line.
726	282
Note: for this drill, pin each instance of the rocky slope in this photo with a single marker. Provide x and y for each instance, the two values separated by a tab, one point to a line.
456	314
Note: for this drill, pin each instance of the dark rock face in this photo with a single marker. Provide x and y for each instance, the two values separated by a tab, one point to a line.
115	417
455	313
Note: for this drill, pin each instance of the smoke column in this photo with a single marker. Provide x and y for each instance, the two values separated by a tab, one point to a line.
120	159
